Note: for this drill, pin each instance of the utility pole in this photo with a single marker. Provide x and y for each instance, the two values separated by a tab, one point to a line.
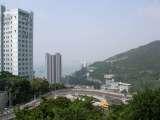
9	100
55	91
8	90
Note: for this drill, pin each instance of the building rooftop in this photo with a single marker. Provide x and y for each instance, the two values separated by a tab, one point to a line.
15	10
125	84
108	76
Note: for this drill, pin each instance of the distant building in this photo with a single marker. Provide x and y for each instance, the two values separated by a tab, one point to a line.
111	84
16	41
54	68
84	64
124	86
109	76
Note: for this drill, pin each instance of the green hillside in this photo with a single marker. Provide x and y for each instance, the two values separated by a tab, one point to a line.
139	66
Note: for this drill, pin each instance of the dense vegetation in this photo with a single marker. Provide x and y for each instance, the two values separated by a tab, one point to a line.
140	66
63	109
80	78
21	90
39	86
57	86
145	105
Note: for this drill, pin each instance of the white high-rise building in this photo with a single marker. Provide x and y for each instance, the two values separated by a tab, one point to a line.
16	42
54	68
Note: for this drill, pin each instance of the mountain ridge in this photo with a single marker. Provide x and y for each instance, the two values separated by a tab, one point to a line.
138	66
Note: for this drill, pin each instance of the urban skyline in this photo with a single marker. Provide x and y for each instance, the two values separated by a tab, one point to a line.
103	27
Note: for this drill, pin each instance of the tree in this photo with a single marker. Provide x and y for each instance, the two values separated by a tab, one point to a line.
18	87
39	86
62	108
57	86
145	105
21	91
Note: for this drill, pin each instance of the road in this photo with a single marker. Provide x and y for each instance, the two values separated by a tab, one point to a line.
110	96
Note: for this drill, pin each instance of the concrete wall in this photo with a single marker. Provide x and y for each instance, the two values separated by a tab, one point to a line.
3	99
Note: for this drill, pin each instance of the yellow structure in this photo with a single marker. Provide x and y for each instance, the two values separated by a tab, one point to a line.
104	104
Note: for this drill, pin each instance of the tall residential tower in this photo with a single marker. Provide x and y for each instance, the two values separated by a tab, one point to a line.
16	42
54	68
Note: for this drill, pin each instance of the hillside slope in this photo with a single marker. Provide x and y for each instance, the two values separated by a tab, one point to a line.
139	66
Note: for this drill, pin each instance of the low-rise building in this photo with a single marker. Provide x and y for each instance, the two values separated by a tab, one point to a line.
123	86
111	84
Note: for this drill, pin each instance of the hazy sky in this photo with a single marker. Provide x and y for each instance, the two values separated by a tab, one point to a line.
90	29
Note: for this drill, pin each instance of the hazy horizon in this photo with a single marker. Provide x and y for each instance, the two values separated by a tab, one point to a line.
89	30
